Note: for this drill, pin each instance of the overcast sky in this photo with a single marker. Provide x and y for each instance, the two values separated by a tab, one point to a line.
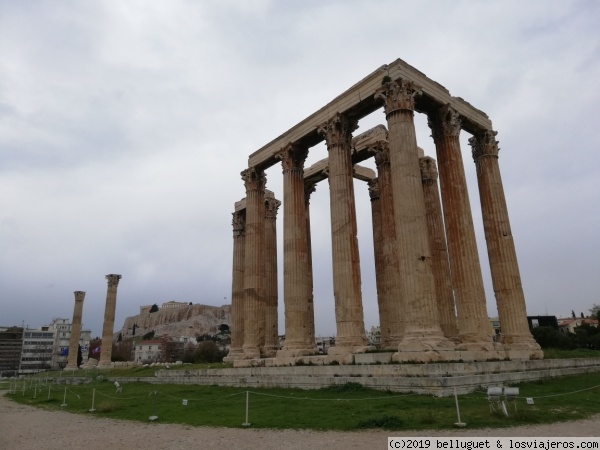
124	127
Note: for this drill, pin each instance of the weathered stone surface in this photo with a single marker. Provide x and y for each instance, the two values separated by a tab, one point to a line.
75	331
183	321
109	320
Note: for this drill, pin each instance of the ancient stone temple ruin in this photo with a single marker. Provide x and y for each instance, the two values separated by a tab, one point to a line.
430	287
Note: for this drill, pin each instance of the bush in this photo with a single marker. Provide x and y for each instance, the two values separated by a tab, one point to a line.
208	352
548	337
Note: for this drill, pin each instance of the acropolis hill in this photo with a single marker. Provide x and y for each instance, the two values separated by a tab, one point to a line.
183	320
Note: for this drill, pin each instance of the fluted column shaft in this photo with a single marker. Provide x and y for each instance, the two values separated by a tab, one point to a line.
384	315
237	287
474	329
389	296
308	190
75	331
254	271
439	251
271	299
502	255
422	332
346	263
298	339
109	320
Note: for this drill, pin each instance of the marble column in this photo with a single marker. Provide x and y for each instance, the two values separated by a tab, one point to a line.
254	267
351	336
506	278
109	320
271	344
439	251
309	188
423	339
237	287
475	333
298	339
389	296
75	331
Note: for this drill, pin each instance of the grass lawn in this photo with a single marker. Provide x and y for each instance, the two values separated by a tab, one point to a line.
345	407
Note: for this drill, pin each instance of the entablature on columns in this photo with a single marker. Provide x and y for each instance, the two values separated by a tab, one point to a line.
359	101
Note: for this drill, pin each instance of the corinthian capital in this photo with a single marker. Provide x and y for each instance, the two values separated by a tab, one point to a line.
113	280
398	95
79	296
338	130
271	207
292	157
239	223
373	188
381	151
484	144
444	122
309	188
254	179
428	168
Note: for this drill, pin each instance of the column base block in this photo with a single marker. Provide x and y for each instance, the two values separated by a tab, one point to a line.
421	343
251	353
105	365
293	352
256	362
71	367
426	356
233	355
349	349
481	355
522	347
268	352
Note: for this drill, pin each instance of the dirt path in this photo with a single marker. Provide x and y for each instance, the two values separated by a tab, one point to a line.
25	427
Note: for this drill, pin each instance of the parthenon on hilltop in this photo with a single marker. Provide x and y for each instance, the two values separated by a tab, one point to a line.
429	281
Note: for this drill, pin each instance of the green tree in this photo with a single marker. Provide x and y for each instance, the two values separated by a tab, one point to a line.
79	356
208	352
154	308
595	312
149	335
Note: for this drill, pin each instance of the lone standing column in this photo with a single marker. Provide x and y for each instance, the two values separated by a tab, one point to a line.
298	339
510	299
351	336
237	287
439	251
423	339
75	331
475	332
271	299
109	320
391	314
254	273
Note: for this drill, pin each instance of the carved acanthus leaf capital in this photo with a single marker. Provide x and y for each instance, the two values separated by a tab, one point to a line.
373	188
484	144
239	223
271	207
113	279
79	296
428	168
397	95
444	122
292	157
254	179
381	152
309	188
338	130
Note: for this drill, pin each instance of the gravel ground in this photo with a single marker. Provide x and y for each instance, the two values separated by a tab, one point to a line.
26	427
